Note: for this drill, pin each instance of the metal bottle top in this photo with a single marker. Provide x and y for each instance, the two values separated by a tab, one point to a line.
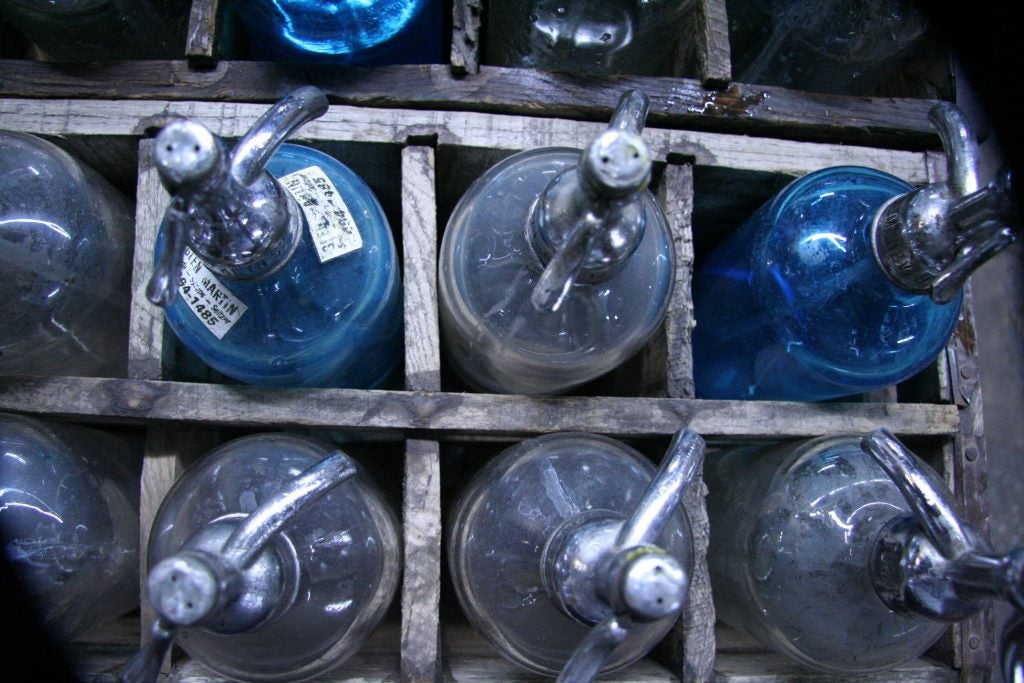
929	240
590	219
930	563
607	572
227	208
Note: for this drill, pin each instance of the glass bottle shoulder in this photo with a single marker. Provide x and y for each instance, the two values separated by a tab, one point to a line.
488	271
326	307
805	520
341	557
814	274
369	271
607	37
833	207
346	31
65	250
69	514
63	202
503	520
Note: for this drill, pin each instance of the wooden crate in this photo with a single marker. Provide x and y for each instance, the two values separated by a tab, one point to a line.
420	134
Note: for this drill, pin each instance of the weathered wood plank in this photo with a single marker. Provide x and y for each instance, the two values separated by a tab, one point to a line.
698	623
690	646
419	242
421	583
677	198
167	452
675	102
468	129
438	413
465	53
471	659
666	361
146	326
973	638
710	37
202	32
741	659
161	466
376	662
768	667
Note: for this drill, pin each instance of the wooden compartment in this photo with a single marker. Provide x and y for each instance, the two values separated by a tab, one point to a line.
420	134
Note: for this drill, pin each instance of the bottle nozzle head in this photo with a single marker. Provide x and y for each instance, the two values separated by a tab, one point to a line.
186	153
617	164
184	589
652	585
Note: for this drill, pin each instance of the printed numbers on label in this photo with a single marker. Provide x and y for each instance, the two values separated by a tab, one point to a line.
207	297
331	225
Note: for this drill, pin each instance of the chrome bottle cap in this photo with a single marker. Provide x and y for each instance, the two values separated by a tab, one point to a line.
589	219
228	209
929	240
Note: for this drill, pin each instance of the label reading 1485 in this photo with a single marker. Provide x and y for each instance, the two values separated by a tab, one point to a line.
207	297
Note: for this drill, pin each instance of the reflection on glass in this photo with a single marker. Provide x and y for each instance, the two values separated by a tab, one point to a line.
350	31
65	261
69	520
606	37
333	561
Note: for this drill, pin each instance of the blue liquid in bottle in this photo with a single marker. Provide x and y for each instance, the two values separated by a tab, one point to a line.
793	306
335	324
371	32
287	282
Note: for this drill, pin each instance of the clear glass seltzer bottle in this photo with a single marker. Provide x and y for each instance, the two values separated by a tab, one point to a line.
557	266
570	553
846	553
273	558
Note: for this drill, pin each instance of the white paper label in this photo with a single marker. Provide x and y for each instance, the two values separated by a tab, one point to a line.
207	296
331	226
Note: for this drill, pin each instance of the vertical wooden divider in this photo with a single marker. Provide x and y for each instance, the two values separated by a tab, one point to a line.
704	48
465	50
974	638
200	41
146	322
421	518
676	196
690	646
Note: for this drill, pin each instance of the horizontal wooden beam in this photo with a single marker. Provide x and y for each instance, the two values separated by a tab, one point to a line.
453	414
675	102
87	118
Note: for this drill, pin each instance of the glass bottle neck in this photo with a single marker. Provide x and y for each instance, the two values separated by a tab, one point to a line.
228	209
245	233
929	241
605	229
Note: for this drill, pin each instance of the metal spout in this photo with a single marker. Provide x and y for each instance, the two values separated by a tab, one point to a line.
930	563
251	154
637	581
989	222
226	582
589	219
929	241
228	209
960	146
